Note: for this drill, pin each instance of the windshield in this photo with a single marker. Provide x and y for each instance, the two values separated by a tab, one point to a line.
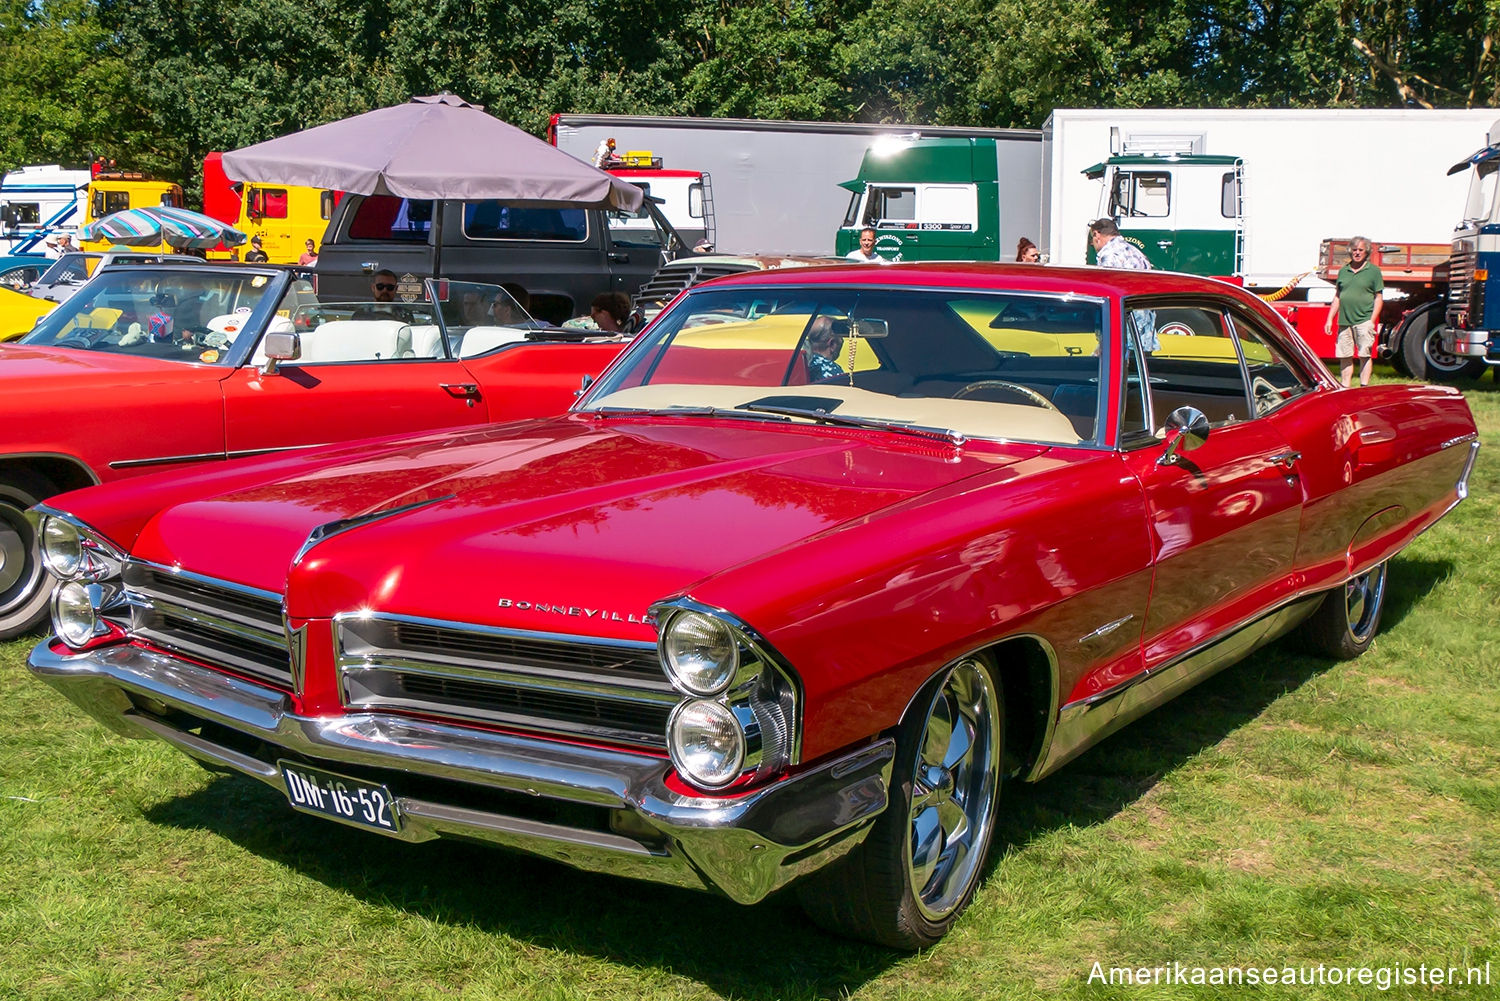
180	315
70	269
1012	365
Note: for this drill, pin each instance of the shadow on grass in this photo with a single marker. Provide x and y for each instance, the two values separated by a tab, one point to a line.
704	937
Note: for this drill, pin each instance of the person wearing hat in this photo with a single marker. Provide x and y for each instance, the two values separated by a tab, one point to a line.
256	254
605	155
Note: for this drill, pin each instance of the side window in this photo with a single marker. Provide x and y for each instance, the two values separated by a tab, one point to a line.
171	199
1192	362
269	203
493	220
1275	378
891	205
325	204
1141	194
105	202
695	200
851	216
1229	195
950	206
386	217
26	213
1135	420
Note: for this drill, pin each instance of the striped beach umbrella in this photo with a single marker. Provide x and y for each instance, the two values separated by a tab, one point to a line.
158	223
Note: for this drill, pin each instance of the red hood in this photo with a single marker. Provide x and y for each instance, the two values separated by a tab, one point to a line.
602	515
59	370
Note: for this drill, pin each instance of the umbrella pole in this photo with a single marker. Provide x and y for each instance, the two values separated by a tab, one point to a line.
439	209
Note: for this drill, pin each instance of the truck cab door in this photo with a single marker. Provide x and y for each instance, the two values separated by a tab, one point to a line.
1140	200
638	244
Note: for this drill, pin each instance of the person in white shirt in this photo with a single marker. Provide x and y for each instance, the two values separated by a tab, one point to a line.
866	252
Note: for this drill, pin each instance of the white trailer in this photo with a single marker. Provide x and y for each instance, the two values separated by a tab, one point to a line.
38	203
775	184
1304	176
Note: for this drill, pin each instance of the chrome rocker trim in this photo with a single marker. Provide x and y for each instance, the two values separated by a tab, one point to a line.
745	846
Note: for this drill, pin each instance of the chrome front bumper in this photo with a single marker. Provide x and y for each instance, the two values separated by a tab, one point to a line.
745	846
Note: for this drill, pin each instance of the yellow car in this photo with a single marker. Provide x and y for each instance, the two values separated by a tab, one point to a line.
19	313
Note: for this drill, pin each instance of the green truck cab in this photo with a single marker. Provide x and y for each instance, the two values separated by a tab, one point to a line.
944	199
1184	211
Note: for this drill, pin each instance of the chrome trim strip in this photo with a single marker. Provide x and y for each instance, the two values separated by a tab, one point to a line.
1462	486
1472	436
165	460
338	527
378	663
219	582
273	640
502	632
746	844
242	453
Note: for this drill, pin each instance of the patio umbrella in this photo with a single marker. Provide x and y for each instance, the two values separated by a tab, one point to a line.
158	223
438	147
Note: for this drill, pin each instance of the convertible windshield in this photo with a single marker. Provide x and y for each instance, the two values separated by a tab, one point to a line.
1013	365
178	315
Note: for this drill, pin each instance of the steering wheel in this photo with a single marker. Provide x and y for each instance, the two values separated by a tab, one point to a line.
1266	396
1026	393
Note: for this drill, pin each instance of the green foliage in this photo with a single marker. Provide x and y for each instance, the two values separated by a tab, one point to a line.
158	83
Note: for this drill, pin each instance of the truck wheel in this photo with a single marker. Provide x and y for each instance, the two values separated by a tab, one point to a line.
906	885
23	582
1345	623
1422	351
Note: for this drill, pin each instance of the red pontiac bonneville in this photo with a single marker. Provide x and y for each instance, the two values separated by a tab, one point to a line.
821	560
158	366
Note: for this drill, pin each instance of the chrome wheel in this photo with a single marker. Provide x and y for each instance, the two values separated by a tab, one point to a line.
954	782
1363	597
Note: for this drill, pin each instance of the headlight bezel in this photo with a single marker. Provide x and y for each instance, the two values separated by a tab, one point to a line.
677	674
764	697
92	598
97	559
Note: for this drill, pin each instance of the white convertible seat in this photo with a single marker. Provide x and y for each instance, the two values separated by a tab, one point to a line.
426	341
357	340
481	339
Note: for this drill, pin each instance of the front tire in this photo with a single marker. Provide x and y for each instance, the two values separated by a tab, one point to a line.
906	885
1345	623
23	582
1423	354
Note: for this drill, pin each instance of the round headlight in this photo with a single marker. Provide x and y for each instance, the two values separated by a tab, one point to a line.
701	653
706	743
73	616
62	548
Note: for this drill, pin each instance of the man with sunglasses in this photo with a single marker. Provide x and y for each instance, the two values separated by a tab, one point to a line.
383	287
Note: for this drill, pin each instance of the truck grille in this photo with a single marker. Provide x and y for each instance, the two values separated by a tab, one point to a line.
673	278
224	625
1460	273
594	688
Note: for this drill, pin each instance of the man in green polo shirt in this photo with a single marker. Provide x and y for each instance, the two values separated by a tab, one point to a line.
1356	306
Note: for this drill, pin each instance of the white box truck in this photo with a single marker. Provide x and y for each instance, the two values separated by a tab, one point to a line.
39	203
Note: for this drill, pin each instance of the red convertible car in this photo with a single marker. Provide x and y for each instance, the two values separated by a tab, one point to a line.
158	366
824	559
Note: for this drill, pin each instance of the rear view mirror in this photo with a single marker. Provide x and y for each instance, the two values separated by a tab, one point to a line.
280	347
870	328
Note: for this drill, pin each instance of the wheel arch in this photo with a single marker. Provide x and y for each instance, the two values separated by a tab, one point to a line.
65	472
1025	666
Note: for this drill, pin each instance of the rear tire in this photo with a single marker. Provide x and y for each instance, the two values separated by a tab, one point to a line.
906	885
1423	354
23	582
1345	623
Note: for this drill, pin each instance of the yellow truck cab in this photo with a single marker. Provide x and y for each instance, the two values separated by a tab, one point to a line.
284	216
114	191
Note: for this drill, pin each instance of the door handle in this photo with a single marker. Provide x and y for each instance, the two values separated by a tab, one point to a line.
461	391
369	266
1286	460
618	257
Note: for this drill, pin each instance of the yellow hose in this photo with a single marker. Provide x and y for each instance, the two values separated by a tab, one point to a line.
1286	289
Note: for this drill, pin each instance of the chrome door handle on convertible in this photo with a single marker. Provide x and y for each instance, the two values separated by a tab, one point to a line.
1286	460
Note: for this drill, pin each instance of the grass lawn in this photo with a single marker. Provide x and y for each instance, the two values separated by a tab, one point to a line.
1289	812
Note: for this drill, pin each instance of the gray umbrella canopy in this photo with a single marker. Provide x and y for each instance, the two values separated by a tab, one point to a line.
438	147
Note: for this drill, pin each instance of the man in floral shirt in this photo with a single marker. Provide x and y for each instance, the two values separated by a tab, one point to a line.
1114	251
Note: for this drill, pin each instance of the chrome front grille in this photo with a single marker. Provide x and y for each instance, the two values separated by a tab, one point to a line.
221	624
1460	273
595	688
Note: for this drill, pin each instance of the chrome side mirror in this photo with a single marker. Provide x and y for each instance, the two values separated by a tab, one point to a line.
1187	429
279	348
587	381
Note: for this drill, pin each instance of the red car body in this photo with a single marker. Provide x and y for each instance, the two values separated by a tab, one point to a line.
74	417
1048	591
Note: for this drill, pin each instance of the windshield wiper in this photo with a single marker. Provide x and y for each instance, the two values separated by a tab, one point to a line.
683	411
848	420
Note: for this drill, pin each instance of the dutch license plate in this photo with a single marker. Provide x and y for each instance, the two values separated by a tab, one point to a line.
363	804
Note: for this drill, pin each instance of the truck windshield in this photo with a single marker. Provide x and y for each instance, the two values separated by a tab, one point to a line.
1014	365
152	313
